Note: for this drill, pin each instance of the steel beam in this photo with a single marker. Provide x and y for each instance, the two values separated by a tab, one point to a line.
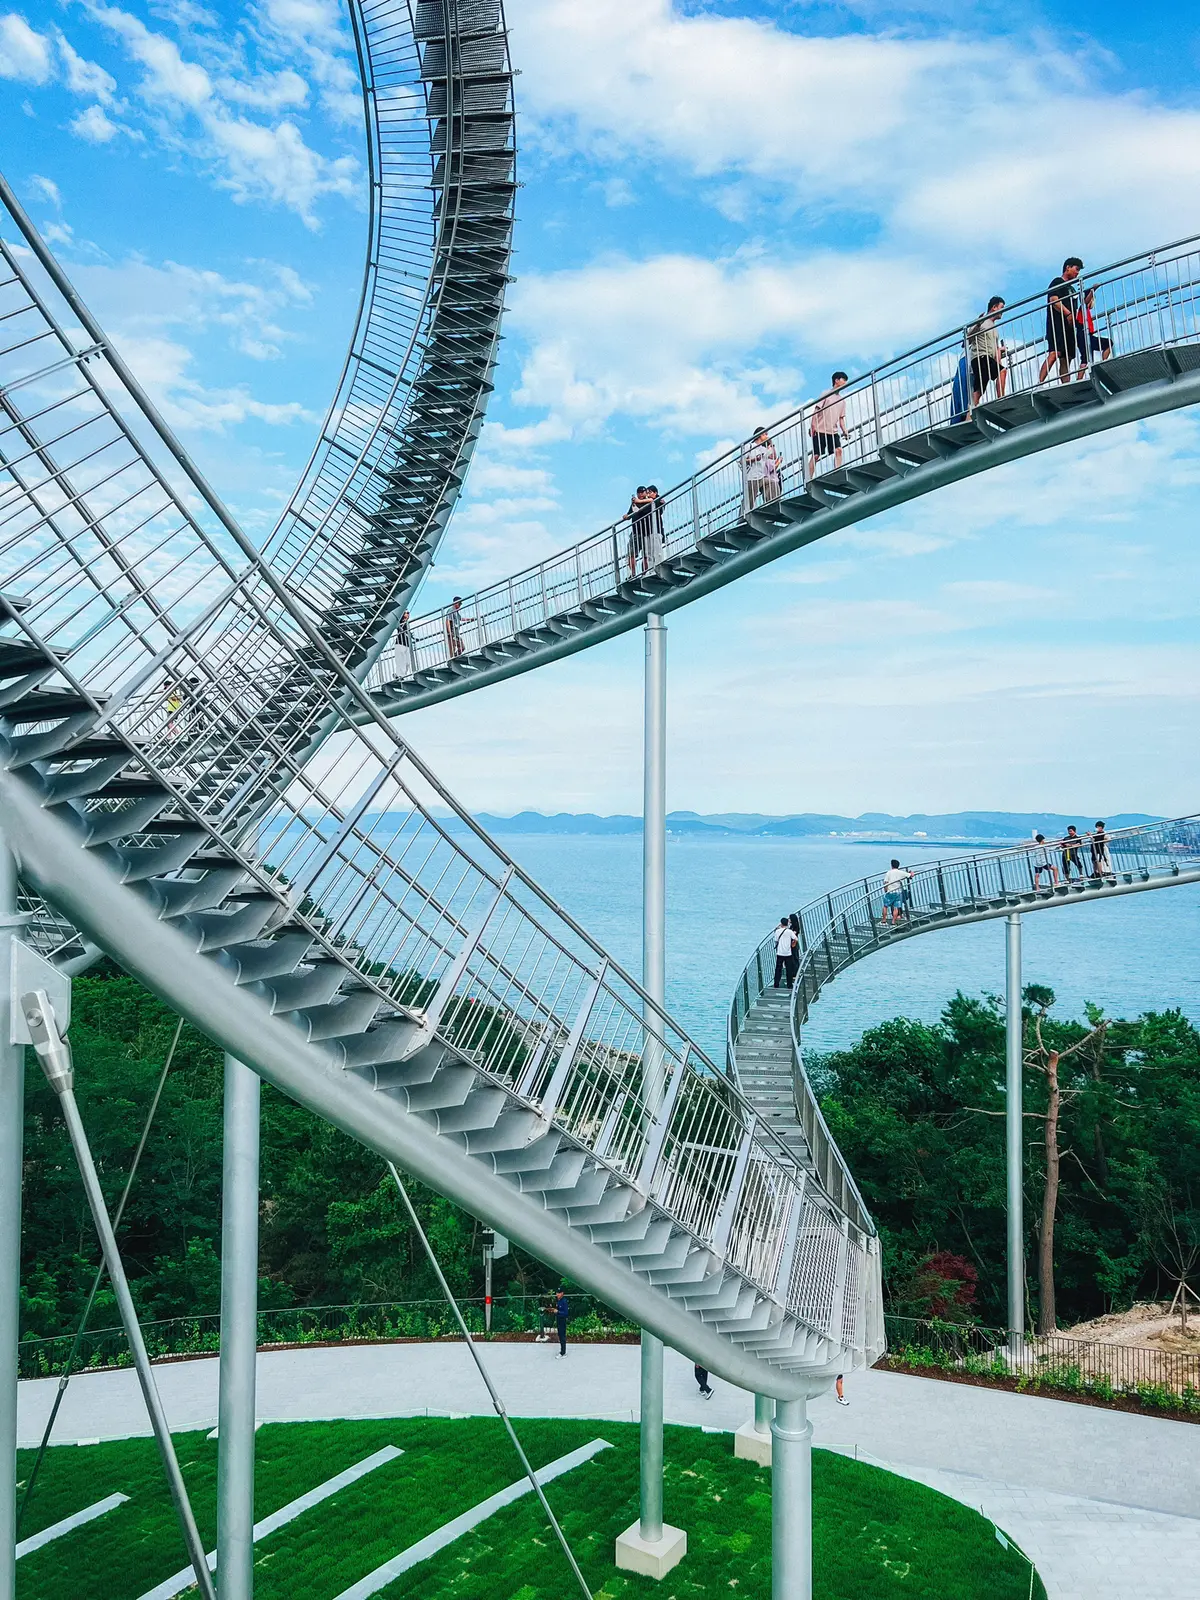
1015	1146
239	1334
12	1113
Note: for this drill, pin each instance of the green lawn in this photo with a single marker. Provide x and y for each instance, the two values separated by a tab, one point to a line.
877	1537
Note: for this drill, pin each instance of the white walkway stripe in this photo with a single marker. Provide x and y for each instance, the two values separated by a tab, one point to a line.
448	1532
185	1577
69	1524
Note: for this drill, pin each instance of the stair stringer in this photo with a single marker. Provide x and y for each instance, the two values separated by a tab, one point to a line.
126	926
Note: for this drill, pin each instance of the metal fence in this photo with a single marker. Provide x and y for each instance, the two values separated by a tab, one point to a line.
1146	303
1049	1360
384	1320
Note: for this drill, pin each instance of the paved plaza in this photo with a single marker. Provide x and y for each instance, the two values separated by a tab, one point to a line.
1106	1504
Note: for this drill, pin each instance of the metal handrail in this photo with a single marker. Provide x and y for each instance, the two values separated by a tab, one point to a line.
1143	303
844	925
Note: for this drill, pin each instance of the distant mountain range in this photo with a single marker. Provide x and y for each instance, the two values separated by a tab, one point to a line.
957	827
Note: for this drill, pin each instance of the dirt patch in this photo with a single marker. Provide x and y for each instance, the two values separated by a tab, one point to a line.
1149	1324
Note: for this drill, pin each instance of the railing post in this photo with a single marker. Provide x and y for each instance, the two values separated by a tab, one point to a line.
12	1100
941	884
512	607
616	554
695	510
578	577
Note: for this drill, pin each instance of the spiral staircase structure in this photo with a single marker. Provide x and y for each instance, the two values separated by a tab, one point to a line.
198	775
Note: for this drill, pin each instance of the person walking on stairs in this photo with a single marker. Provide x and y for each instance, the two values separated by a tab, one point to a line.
785	943
562	1310
894	881
706	1388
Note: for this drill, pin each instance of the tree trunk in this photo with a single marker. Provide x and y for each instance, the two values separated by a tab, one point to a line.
1047	1321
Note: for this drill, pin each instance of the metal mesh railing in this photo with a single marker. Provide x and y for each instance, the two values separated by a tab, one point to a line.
1145	304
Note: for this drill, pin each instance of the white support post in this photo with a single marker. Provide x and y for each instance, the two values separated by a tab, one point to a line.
1014	1046
12	1116
239	1334
649	1546
791	1502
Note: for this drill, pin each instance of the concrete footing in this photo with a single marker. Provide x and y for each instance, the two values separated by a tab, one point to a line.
750	1445
652	1558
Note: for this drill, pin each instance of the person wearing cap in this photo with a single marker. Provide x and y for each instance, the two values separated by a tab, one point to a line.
760	469
454	620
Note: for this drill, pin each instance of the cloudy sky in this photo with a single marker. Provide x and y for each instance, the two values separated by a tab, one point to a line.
721	201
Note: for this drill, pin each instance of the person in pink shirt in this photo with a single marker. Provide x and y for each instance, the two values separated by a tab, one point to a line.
828	426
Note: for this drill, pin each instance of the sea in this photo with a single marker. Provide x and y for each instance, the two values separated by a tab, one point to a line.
1133	954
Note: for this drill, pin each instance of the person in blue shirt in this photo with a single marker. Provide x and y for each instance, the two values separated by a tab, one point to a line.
562	1310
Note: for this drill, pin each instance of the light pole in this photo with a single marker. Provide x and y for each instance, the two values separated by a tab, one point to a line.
1013	1048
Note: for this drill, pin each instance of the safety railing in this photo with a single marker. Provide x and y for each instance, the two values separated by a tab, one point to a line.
432	264
180	641
1145	303
860	917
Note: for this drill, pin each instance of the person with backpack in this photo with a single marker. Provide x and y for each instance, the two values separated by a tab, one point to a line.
786	944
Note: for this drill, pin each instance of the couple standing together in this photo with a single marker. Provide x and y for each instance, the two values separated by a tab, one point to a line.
787	950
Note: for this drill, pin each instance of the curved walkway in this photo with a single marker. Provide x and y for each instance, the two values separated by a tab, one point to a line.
1105	1503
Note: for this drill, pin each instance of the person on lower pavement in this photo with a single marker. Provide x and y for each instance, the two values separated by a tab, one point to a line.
706	1389
562	1310
841	1397
784	941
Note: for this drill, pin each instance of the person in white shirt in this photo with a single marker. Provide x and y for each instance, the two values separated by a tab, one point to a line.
786	944
894	881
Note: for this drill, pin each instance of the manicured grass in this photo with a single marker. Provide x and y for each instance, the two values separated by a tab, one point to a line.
877	1537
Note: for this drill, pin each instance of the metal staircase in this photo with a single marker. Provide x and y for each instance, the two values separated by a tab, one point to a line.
907	434
194	781
763	1048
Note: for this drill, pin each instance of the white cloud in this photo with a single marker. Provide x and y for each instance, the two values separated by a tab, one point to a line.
85	77
254	160
167	78
702	346
47	188
163	365
952	139
24	54
270	92
95	126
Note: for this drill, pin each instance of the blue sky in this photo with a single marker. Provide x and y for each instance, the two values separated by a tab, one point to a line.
720	202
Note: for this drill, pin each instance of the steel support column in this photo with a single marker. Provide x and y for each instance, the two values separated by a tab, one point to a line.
1014	1131
12	1110
764	1413
791	1502
654	981
239	1334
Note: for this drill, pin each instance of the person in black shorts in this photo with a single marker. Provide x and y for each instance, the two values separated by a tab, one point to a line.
827	427
1091	343
985	351
1062	327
